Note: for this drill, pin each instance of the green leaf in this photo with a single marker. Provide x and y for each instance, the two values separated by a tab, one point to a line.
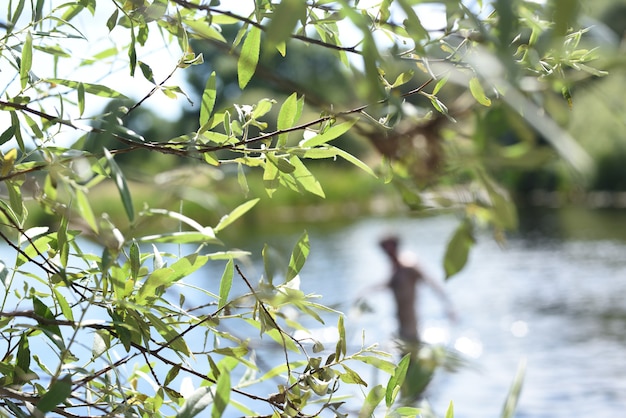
196	403
58	391
122	187
440	83
508	410
167	275
17	12
403	78
182	218
331	133
341	348
281	163
226	283
15	121
237	213
351	377
477	91
185	237
241	179
284	20
458	248
7	134
287	116
112	20
412	24
396	380
81	98
95	89
249	58
4	273
355	161
26	61
147	71
450	410
66	310
373	398
23	354
305	179
132	52
222	393
52	330
134	259
408	411
85	211
298	257
169	333
208	99
270	178
384	365
268	265
262	107
203	29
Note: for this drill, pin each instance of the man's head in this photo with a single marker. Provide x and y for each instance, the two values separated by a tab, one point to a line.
390	245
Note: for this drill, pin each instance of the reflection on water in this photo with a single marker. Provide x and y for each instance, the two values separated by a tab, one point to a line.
553	295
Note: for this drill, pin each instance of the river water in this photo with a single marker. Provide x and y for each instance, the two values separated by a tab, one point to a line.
553	296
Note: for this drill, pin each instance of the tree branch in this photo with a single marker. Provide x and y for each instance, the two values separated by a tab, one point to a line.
209	9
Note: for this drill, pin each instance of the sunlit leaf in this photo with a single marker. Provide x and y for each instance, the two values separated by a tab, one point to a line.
371	401
203	29
122	187
298	256
508	410
396	380
352	159
226	283
208	99
169	333
450	410
403	78
222	394
478	93
287	117
237	213
242	180
85	211
196	403
185	237
270	178
332	133
167	275
284	19
304	178
249	58
458	248
66	310
352	377
27	60
95	89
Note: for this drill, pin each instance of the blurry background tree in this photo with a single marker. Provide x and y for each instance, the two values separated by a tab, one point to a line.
280	91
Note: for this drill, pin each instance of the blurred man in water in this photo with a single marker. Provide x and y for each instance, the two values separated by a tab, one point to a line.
406	275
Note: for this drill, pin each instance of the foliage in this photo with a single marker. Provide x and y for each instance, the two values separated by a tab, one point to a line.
133	326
